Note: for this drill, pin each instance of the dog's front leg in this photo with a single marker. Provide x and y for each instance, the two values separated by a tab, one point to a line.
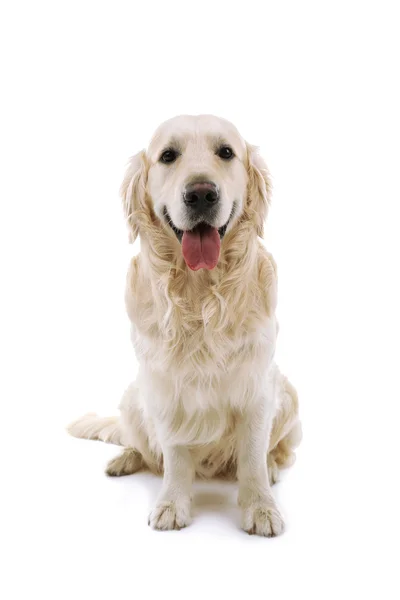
260	514
172	510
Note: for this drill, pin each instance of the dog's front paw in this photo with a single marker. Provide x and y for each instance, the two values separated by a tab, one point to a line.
169	515
262	518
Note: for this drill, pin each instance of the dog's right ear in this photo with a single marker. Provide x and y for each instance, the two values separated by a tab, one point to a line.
259	189
133	192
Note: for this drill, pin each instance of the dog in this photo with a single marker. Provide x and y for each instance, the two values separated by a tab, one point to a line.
201	295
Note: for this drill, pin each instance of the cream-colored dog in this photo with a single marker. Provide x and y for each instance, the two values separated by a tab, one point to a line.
201	296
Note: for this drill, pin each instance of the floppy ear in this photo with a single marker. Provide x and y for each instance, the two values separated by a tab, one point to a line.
133	191
259	189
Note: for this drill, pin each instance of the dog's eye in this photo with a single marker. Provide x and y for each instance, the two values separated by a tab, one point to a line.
225	152
168	156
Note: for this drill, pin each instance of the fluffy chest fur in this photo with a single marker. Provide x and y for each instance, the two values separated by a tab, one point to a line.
212	332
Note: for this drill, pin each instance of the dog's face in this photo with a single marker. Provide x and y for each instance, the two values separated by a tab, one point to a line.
198	176
197	173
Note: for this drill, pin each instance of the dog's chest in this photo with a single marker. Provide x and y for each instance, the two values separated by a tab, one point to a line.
189	346
203	333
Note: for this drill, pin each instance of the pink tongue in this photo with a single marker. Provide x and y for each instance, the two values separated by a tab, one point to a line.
201	248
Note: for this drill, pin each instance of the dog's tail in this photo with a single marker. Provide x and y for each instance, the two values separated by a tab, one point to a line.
93	427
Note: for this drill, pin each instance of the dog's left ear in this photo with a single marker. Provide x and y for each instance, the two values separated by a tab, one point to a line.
133	193
259	189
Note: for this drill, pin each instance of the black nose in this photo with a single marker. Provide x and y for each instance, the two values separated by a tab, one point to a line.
201	196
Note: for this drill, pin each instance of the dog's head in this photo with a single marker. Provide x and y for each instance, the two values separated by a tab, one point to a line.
196	181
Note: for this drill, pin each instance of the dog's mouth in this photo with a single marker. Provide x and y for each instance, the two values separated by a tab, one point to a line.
200	245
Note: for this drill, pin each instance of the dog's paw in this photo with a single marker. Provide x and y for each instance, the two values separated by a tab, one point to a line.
262	518
170	515
126	463
273	470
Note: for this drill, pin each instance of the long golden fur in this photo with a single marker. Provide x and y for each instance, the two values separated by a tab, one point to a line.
209	398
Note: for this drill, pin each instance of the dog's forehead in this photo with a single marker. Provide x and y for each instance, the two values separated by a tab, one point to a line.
205	129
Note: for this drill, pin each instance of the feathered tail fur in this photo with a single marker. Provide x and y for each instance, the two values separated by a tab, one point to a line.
93	427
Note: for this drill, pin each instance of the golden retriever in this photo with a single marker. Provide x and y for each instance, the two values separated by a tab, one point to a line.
201	296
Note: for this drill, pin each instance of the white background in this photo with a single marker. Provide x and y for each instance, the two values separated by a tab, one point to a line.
84	84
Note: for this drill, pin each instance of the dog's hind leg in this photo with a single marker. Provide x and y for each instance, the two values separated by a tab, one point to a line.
286	431
126	463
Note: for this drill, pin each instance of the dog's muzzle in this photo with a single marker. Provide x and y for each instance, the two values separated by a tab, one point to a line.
201	200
